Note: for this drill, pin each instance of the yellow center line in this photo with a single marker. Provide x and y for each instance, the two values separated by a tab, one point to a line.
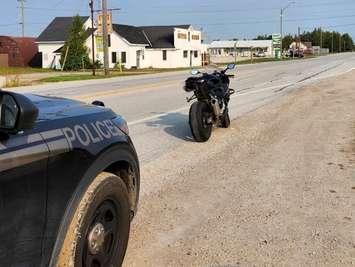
128	90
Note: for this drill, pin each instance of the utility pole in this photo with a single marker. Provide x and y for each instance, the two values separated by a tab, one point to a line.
22	23
281	31
299	40
235	52
105	36
91	4
321	41
281	23
332	42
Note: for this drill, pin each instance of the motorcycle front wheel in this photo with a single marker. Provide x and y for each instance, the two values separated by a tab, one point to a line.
200	121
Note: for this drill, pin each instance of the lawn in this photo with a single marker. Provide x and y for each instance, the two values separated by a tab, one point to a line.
89	76
21	70
99	75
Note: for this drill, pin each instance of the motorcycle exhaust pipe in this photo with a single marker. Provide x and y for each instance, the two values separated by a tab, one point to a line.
216	107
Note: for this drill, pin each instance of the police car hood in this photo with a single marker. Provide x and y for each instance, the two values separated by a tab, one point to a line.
52	108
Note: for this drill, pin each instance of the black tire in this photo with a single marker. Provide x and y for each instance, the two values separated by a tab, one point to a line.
105	203
225	121
200	128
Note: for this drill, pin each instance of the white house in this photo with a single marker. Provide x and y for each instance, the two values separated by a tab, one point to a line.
224	48
134	47
225	51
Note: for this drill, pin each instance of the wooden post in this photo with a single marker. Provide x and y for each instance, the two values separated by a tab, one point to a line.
105	36
65	58
251	55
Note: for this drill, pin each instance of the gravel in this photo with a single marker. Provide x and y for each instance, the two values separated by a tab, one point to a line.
278	188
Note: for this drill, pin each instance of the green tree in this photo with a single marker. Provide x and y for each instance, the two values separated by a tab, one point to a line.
263	37
348	43
335	41
75	48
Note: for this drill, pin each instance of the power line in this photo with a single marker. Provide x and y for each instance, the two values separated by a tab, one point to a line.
235	10
58	3
47	9
272	21
30	23
331	26
8	25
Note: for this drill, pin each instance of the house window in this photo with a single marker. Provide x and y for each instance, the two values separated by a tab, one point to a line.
196	53
164	55
109	40
182	36
186	53
114	57
123	57
189	36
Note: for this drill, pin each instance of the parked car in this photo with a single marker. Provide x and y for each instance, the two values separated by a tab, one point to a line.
260	54
69	182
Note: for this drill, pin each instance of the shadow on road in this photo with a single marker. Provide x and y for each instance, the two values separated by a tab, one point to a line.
175	124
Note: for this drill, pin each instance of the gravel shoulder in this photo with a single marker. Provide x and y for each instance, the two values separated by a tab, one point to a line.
278	188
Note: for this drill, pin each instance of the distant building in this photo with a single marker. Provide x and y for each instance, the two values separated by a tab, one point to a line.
226	51
134	47
305	47
16	51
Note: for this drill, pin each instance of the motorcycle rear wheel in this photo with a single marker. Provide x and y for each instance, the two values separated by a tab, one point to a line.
200	124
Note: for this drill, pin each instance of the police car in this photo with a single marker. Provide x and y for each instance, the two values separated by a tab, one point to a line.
69	183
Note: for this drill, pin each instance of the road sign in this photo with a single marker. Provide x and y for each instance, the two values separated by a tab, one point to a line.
276	43
276	39
109	23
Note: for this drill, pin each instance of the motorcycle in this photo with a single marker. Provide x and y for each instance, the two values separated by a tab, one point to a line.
211	108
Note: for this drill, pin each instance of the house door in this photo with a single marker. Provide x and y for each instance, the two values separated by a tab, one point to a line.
138	63
191	52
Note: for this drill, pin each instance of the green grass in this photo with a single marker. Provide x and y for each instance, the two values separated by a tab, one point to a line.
21	70
88	76
100	75
73	77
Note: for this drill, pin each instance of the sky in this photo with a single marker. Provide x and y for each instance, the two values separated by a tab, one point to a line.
218	19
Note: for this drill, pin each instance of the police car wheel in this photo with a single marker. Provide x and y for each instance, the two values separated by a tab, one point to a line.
98	234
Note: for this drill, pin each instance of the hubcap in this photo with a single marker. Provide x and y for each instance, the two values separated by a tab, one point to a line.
96	239
101	240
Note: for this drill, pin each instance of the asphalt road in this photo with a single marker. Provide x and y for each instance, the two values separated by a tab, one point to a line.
157	112
155	105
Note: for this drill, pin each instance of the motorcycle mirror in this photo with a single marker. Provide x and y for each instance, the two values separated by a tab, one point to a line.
231	66
195	72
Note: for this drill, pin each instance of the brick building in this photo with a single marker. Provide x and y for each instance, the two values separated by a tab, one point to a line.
16	51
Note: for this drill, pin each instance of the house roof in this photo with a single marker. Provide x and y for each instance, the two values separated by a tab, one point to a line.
151	36
162	36
58	29
132	34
